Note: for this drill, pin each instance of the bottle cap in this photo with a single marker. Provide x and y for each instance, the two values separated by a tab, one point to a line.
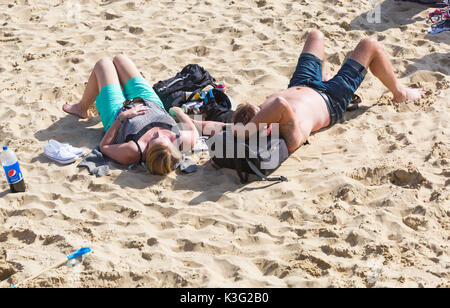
5	148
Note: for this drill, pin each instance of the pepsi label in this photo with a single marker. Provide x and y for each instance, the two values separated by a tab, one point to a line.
13	173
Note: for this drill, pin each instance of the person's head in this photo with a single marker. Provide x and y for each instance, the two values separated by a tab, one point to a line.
162	156
245	113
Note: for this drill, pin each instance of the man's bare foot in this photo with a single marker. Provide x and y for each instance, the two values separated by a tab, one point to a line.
409	94
75	110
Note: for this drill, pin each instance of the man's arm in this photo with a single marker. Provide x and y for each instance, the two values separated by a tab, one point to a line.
277	111
209	128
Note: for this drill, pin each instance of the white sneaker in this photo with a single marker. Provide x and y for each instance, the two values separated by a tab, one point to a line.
77	151
62	153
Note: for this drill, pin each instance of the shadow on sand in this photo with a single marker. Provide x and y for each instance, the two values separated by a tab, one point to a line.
4	193
440	62
382	17
78	133
349	115
208	181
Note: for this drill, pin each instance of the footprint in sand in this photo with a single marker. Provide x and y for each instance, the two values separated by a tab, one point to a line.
267	21
262	37
200	51
110	16
136	30
26	236
6	271
261	3
130	5
76	60
415	222
51	239
64	43
410	178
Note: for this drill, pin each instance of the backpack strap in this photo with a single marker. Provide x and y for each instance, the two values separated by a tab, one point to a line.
238	165
262	176
163	89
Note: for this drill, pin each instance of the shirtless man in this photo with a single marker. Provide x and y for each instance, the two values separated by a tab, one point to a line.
312	102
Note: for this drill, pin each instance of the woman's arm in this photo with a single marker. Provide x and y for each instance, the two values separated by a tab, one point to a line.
111	134
189	134
209	128
125	153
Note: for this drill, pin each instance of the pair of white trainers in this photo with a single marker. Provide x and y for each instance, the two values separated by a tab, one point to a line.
62	153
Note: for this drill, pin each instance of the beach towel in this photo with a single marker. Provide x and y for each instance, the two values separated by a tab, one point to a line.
96	163
440	27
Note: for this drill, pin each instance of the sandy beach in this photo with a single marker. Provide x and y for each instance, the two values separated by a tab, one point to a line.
367	202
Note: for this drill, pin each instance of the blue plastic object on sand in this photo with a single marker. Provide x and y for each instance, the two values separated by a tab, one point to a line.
79	253
76	254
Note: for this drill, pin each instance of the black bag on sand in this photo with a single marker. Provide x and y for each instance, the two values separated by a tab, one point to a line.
218	109
261	159
193	78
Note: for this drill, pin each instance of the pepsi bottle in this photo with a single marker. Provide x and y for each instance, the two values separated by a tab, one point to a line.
12	169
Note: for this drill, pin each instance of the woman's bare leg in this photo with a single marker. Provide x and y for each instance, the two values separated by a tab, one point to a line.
371	55
104	73
126	69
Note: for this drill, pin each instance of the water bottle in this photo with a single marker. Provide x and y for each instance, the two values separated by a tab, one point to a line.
187	108
221	87
192	107
198	109
12	169
199	96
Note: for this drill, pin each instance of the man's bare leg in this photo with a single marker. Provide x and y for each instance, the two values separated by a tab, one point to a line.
104	73
315	44
371	55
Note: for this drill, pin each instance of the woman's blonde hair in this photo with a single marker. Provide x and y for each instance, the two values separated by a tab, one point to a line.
161	159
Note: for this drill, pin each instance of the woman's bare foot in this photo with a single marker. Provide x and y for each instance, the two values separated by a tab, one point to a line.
75	110
409	94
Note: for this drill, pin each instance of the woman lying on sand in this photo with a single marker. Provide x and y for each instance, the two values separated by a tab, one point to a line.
140	130
313	102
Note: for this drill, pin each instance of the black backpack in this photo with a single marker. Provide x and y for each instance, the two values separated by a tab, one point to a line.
193	78
218	108
261	159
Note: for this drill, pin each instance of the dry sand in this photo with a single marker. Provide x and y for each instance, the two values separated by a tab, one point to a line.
367	203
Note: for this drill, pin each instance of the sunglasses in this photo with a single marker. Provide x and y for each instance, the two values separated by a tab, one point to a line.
133	101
